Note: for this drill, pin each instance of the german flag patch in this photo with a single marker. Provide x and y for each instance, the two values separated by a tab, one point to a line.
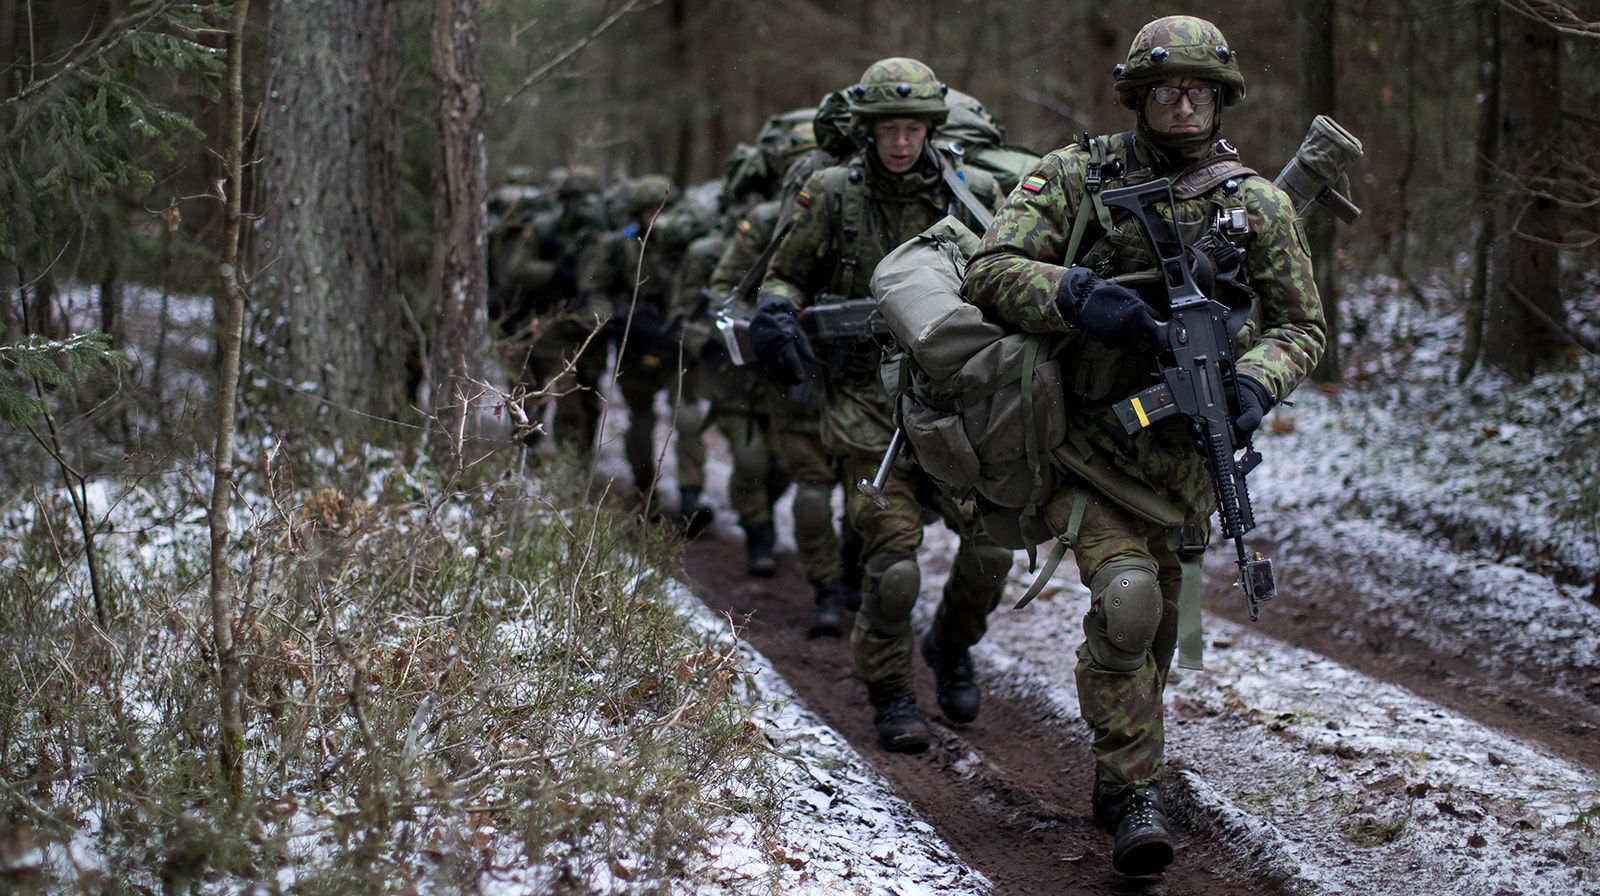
804	199
1033	183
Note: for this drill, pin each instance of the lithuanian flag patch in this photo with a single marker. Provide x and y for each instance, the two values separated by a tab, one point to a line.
1033	183
804	199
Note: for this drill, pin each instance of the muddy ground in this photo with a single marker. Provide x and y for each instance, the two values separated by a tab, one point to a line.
1009	792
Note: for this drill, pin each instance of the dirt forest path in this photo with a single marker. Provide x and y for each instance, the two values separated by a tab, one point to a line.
1008	792
1304	801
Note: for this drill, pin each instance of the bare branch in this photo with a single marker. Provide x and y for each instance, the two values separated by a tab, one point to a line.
544	71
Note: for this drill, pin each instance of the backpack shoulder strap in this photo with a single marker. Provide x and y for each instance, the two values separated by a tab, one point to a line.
843	184
958	186
1089	203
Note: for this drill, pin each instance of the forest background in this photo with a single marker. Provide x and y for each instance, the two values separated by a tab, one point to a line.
350	106
318	169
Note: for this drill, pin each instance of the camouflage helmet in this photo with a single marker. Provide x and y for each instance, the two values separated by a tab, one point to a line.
650	190
786	137
579	180
1178	45
897	87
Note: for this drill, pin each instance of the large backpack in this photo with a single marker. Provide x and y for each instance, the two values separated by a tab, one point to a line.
981	407
971	138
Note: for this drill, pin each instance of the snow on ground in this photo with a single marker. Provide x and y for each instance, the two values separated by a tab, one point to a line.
843	829
1306	764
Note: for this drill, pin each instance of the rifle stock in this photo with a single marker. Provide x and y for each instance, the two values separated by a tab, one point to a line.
1198	380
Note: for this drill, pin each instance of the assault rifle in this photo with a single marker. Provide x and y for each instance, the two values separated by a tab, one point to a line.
1198	380
837	318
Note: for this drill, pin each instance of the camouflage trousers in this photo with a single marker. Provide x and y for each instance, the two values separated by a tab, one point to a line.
557	372
759	473
882	640
639	380
1124	709
825	548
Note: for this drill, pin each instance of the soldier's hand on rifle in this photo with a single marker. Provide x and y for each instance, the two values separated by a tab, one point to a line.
1112	314
781	346
1254	403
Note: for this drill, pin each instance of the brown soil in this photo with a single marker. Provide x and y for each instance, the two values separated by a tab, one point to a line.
1009	792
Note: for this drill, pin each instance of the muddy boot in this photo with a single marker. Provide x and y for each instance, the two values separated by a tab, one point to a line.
900	726
827	617
1143	838
953	675
693	514
759	542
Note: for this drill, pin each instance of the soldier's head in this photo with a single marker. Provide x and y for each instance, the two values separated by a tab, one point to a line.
1179	74
787	137
896	105
648	195
577	182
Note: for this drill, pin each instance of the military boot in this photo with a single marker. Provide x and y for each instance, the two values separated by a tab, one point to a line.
693	514
759	541
1138	820
954	679
827	617
900	725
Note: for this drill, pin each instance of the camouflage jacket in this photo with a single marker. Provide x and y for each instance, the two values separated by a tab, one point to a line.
1016	273
628	269
824	254
744	249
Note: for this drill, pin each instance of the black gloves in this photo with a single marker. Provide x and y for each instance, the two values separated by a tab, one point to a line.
781	347
1113	315
1254	403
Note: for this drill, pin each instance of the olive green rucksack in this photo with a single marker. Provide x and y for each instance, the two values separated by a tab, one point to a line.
981	407
972	138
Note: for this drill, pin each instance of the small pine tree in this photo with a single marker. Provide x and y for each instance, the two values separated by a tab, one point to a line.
80	125
49	363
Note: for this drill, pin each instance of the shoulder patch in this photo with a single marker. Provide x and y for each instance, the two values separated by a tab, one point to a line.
745	226
1033	183
804	199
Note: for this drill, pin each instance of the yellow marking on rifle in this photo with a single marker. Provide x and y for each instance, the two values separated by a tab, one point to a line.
1138	408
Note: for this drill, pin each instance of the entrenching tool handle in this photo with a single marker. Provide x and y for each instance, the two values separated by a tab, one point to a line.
874	489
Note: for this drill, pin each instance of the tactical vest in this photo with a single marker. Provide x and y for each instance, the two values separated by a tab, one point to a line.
846	188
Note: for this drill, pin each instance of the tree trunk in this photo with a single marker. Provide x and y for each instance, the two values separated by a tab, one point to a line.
460	265
330	244
1524	307
230	676
1318	97
1107	49
686	97
1483	182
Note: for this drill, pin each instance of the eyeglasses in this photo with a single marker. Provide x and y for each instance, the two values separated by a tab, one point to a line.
1198	96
